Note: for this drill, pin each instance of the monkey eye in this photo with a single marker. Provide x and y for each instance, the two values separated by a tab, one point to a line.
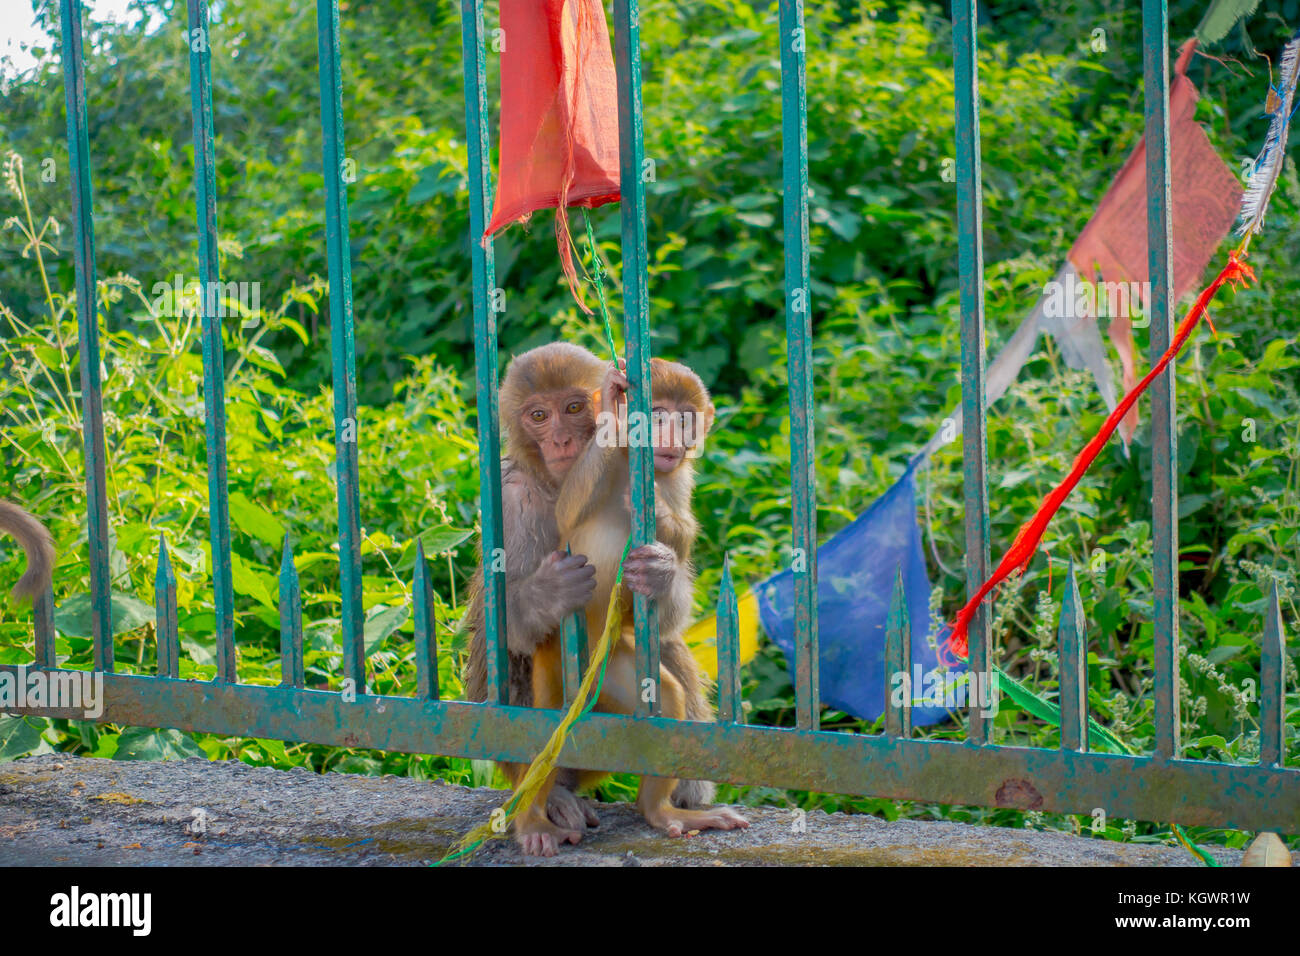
574	407
537	415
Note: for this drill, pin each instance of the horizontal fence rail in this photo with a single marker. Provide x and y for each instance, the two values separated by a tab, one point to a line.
1070	779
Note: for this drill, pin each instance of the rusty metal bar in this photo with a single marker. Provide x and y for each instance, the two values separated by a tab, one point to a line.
165	626
1198	793
291	659
636	315
1272	687
212	309
1164	432
92	399
1072	643
798	336
898	662
483	267
727	643
43	611
574	653
970	268
343	357
426	629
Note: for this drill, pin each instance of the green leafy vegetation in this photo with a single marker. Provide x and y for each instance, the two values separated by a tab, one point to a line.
1058	119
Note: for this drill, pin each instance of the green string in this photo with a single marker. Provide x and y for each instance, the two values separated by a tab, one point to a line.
598	280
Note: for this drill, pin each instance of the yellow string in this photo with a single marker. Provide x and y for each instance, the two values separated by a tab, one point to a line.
544	763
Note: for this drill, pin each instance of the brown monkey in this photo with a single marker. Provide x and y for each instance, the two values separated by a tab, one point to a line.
36	543
593	515
547	419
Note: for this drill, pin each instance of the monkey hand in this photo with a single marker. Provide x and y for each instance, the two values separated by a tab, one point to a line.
564	583
650	569
569	811
613	390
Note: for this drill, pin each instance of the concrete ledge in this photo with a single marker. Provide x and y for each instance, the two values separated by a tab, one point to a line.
59	810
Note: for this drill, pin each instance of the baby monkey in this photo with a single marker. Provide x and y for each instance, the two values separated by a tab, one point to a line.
593	515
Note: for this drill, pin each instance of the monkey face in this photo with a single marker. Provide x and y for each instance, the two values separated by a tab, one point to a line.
677	430
560	423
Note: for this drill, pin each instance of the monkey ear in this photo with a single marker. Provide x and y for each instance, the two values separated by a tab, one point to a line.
595	400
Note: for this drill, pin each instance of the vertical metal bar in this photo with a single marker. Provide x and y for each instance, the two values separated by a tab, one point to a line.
970	268
898	660
291	659
730	709
1272	687
43	610
426	631
343	360
165	627
798	332
574	653
1164	435
214	366
636	312
483	264
1072	640
92	400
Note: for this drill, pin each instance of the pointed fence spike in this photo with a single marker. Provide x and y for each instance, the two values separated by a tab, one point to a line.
43	609
426	636
165	626
1072	642
727	640
898	662
1272	686
291	658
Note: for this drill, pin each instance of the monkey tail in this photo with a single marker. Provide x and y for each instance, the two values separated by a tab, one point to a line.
36	542
694	794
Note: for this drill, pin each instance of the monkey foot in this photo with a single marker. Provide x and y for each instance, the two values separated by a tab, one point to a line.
569	811
675	822
543	838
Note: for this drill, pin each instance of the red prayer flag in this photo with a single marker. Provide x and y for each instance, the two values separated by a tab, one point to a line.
1206	200
559	116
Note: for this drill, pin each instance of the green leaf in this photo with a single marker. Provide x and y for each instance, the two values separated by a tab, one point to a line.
382	621
254	520
145	743
20	736
252	582
1027	700
73	617
757	219
444	538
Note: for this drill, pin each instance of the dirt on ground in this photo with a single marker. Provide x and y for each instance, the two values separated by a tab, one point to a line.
59	810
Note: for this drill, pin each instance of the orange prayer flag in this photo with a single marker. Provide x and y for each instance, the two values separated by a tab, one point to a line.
1206	200
559	116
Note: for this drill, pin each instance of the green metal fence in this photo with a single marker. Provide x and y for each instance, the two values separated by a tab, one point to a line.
1160	786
